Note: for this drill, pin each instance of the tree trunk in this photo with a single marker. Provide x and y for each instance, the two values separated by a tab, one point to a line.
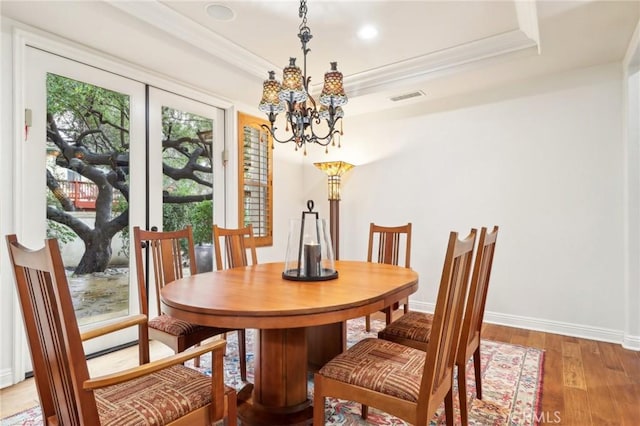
96	255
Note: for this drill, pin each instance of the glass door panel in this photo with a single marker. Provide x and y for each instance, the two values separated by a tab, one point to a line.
88	189
186	175
78	174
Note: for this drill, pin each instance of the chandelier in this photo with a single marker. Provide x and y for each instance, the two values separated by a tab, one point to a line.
303	117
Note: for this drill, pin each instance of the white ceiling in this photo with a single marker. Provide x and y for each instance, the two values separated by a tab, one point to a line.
441	48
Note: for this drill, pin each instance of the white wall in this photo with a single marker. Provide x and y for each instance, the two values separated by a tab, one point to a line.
7	297
543	160
631	66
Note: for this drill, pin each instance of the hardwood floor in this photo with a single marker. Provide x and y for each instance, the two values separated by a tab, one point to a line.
585	382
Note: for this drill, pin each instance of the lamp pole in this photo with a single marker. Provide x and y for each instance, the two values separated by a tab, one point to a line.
334	171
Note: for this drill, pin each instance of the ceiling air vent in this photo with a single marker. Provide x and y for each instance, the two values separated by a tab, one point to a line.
407	96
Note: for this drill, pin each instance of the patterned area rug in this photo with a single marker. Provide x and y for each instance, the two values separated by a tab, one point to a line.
511	381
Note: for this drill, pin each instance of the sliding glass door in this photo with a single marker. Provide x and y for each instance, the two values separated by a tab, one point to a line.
104	153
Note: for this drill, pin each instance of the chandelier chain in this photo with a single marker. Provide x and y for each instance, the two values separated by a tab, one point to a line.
304	33
302	13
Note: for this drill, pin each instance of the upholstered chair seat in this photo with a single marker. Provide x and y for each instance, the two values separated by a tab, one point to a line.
400	377
173	326
413	327
157	399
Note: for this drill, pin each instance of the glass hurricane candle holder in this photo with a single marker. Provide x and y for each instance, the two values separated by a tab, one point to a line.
309	250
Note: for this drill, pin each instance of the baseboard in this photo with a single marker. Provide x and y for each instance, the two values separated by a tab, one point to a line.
6	378
631	342
563	328
547	326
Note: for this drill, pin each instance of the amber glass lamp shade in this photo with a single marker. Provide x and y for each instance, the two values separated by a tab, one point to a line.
270	90
334	170
333	89
292	85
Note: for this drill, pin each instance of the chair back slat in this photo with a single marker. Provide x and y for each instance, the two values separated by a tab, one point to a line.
236	244
165	252
437	378
389	247
170	259
236	251
54	338
474	312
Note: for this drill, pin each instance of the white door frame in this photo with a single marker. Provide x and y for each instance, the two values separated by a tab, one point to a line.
30	196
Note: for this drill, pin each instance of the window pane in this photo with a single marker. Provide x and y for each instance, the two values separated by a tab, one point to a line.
187	145
88	191
255	178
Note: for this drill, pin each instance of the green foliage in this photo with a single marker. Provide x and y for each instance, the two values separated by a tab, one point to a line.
201	218
61	232
56	230
119	206
53	201
78	107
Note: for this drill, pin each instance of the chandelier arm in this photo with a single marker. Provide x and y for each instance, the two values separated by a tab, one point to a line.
272	132
322	140
297	126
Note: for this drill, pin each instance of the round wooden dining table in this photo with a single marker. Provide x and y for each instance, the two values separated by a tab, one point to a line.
295	321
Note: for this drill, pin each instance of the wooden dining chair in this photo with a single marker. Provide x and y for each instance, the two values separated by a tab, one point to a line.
391	244
166	265
236	243
405	382
414	329
162	392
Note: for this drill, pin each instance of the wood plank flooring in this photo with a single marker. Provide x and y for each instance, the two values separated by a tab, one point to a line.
585	382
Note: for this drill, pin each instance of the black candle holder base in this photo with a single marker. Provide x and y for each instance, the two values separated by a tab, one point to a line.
325	275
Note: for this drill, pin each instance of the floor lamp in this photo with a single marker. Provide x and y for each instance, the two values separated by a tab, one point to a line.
334	170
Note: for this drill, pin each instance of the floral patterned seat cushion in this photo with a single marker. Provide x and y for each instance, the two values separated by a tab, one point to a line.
410	326
379	365
156	399
173	326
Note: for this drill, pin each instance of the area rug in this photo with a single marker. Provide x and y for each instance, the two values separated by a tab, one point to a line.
511	382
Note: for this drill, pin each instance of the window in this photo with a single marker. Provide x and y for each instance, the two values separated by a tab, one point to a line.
255	178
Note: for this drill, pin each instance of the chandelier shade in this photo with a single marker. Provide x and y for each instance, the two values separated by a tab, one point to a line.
333	91
270	102
306	121
293	89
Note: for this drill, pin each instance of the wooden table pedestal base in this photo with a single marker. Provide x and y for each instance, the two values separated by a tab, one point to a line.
280	381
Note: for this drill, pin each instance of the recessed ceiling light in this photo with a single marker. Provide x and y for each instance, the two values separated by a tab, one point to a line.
220	12
367	32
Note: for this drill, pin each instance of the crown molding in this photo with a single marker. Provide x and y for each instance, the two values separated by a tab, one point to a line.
166	19
437	63
527	13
